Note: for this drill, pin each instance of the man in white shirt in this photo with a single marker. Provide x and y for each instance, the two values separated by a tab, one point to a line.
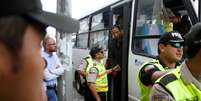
53	68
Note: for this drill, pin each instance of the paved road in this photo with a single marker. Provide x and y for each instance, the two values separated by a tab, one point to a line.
76	96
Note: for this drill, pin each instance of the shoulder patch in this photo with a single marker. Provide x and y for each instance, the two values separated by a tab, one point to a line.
160	98
93	70
167	79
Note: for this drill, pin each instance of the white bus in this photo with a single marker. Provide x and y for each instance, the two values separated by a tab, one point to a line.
142	21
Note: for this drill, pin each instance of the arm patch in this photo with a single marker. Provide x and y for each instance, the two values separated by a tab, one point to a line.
145	77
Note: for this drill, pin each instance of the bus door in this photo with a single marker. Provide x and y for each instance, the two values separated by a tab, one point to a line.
120	16
149	20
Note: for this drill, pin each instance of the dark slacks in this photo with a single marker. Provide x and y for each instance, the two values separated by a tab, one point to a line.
89	97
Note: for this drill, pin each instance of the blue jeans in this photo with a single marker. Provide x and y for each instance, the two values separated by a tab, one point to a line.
51	95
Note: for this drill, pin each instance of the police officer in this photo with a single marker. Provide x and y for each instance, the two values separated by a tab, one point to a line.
80	77
170	49
86	61
183	85
22	25
97	75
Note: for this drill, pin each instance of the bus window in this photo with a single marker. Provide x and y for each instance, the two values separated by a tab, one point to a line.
118	16
99	38
84	25
154	18
146	25
82	40
73	40
82	36
149	46
97	22
99	30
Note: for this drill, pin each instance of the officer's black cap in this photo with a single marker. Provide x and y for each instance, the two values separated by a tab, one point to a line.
172	36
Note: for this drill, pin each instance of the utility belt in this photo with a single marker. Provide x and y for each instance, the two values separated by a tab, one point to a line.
51	87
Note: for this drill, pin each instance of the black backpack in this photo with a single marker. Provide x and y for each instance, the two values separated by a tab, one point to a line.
80	83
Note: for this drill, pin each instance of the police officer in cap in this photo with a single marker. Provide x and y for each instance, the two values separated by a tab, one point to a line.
170	50
184	84
97	76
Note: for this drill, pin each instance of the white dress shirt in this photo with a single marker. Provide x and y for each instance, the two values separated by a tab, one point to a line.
53	68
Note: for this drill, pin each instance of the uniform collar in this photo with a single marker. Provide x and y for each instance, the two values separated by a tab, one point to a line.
164	66
187	76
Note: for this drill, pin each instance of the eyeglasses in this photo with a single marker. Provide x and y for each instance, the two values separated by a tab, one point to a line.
176	44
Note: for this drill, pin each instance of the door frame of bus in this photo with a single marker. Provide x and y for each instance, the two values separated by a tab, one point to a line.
126	24
199	10
192	13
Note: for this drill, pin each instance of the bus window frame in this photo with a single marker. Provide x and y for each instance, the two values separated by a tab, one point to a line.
188	7
136	37
99	30
192	13
90	30
76	42
88	18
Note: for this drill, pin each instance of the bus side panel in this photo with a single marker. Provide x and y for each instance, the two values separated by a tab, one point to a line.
135	61
78	54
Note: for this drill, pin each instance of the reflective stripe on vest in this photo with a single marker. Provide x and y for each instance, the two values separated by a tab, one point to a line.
89	62
101	80
178	89
144	89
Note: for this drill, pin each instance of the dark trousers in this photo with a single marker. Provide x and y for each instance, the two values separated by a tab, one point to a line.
89	97
109	96
103	96
117	87
114	92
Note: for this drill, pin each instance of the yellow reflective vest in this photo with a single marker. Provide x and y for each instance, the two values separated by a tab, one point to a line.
178	89
101	80
145	90
89	62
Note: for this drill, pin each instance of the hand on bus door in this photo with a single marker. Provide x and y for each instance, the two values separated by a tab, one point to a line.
116	68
